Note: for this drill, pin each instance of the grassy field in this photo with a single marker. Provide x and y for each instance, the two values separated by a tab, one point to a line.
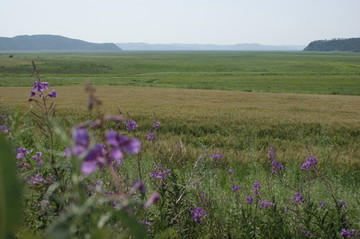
241	195
292	72
239	122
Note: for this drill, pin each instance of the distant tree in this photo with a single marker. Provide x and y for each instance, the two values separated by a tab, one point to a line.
338	44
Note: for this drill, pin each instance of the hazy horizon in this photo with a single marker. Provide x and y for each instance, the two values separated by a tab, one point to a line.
226	22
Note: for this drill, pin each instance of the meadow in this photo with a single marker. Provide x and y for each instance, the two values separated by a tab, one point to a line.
231	157
291	72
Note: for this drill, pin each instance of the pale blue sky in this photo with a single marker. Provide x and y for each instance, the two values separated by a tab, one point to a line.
271	22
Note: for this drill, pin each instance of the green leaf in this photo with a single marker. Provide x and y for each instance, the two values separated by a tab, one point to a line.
10	191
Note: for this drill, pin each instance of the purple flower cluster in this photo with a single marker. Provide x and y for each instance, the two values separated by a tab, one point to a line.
276	167
4	129
39	88
151	137
250	199
160	173
131	125
272	153
265	204
24	161
156	125
256	188
52	94
39	179
119	144
99	154
37	157
256	191
217	156
298	198
311	162
197	214
349	233
235	188
230	171
21	153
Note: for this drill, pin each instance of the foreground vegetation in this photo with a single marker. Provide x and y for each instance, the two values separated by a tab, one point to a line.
176	163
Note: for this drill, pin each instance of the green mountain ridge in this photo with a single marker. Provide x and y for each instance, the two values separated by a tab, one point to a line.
52	43
351	44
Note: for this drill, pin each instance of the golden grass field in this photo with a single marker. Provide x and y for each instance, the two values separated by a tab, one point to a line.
238	122
188	104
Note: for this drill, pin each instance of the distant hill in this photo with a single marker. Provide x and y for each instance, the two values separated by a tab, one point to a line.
205	47
51	43
351	44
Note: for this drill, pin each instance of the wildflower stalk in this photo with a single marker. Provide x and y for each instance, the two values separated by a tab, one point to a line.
48	114
138	159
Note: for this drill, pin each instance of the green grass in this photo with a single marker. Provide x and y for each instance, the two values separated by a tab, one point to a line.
195	124
295	72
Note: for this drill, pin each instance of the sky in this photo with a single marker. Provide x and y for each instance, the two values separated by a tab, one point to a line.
268	22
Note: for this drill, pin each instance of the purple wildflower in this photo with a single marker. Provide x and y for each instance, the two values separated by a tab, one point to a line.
99	155
276	167
21	153
272	153
52	94
40	87
22	164
311	162
131	125
217	156
94	159
266	204
37	157
138	186
298	198
120	144
151	137
160	173
250	199
235	188
4	129
230	171
346	233
153	199
322	204
256	187
156	125
129	145
49	180
99	183
37	179
197	214
81	140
